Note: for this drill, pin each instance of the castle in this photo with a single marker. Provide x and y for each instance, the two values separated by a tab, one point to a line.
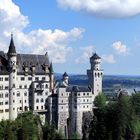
27	84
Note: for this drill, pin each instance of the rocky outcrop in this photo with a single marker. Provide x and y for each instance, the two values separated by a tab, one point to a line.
87	119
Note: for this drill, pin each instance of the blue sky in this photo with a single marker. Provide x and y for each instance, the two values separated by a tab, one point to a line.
71	31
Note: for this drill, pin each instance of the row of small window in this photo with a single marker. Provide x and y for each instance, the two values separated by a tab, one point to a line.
84	100
41	100
18	93
30	78
6	78
98	74
6	110
42	86
66	101
22	78
62	94
80	94
76	94
37	107
6	87
83	106
6	95
1	95
20	86
41	93
6	103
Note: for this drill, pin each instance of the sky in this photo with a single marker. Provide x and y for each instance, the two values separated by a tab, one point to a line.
72	30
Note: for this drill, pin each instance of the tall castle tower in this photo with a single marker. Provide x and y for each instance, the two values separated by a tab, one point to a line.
12	63
95	75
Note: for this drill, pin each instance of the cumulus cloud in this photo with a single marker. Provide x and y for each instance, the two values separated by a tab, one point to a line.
56	43
86	53
103	8
108	58
120	48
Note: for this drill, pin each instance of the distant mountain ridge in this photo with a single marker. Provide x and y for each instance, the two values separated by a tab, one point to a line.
108	80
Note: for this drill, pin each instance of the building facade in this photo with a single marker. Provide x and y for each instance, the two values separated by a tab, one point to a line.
26	81
27	84
73	101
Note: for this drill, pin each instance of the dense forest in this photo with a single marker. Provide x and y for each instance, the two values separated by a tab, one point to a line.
117	120
27	127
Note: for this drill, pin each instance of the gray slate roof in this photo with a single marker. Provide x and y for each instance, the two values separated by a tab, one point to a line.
95	56
12	49
78	89
23	60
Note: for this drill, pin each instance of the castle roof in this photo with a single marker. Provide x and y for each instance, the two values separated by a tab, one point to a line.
95	56
78	89
51	68
25	60
12	49
65	75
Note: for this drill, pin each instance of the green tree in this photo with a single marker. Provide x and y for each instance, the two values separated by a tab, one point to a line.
100	100
115	121
50	133
135	99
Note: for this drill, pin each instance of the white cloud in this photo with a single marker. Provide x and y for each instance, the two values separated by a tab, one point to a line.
56	42
103	8
86	53
120	48
109	58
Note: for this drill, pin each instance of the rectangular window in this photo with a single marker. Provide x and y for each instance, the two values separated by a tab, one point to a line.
6	87
41	107
6	78
1	78
1	95
20	86
13	85
37	78
25	94
1	87
25	86
6	103
37	107
22	78
30	78
18	94
1	111
43	78
6	95
1	103
6	110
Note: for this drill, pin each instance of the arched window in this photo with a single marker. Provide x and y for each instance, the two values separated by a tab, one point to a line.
95	74
46	86
98	74
42	100
37	100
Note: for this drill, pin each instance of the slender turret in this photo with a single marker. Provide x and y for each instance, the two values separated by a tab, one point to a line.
66	78
51	77
95	75
12	61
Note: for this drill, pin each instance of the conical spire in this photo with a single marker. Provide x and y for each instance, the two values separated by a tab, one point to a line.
95	56
12	50
51	68
65	75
